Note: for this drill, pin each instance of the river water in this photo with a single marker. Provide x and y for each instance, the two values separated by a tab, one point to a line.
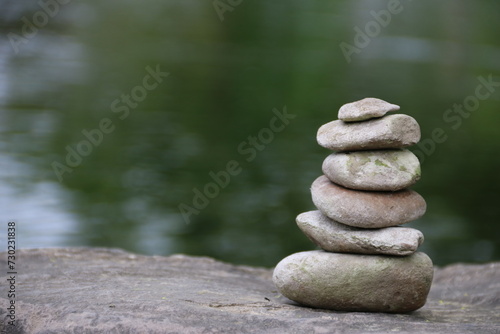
115	117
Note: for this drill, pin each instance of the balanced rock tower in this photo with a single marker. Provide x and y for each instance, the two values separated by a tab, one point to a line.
367	262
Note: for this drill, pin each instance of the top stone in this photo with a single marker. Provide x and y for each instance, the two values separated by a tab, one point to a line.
365	109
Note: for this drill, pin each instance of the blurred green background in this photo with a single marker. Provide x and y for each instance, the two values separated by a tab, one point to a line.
230	63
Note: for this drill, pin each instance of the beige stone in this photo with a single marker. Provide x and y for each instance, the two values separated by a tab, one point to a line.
348	282
391	131
336	237
364	109
380	170
366	209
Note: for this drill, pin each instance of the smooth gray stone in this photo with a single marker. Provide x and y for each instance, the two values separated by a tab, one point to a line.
336	237
351	282
391	131
366	209
364	109
380	170
103	291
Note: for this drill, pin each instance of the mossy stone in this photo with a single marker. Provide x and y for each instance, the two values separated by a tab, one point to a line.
377	170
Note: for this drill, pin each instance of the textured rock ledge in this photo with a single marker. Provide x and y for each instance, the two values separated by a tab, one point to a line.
82	290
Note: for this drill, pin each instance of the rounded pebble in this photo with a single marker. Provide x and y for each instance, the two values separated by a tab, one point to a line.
364	109
336	237
380	170
392	131
347	282
366	209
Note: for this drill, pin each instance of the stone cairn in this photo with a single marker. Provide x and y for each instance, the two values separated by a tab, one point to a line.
367	262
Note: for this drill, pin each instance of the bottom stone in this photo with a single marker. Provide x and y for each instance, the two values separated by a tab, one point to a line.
349	282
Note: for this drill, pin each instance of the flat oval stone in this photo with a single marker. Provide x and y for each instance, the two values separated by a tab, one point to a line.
366	209
348	282
336	237
365	109
392	131
381	170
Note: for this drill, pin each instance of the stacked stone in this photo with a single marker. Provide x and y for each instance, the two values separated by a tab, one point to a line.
367	261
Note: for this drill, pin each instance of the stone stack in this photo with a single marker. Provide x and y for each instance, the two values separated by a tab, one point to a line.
367	261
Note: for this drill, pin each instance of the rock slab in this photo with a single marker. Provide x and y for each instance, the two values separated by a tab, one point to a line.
352	282
102	291
392	131
366	209
336	237
364	109
381	170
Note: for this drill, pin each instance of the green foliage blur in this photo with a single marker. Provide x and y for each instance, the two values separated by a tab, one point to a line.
228	68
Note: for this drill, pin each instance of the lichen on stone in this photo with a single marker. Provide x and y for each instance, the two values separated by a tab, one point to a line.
379	162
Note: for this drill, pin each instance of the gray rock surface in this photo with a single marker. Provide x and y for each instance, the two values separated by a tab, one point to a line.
336	237
351	282
391	131
366	209
365	109
81	290
379	170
